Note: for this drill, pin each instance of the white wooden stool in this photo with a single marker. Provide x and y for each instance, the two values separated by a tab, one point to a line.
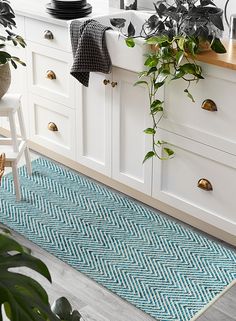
15	146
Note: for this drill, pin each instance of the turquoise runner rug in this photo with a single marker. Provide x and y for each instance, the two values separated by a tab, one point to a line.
165	269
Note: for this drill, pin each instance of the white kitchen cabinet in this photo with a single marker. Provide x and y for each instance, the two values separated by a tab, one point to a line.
176	181
101	127
94	123
111	118
129	143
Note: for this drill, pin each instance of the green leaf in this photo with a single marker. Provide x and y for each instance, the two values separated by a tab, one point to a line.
118	22
148	155
76	316
179	56
168	151
217	46
156	106
216	19
192	46
181	42
159	84
188	68
141	82
142	74
150	131
151	70
157	40
178	74
23	297
151	61
131	30
62	308
189	95
4	57
130	42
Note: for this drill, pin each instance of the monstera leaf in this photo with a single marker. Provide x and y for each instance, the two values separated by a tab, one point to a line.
23	298
63	309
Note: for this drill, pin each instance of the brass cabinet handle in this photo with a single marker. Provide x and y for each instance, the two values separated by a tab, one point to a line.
106	82
52	127
204	184
114	84
51	75
48	35
209	105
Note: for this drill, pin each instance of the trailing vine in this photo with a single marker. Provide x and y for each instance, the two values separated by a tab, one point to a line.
174	36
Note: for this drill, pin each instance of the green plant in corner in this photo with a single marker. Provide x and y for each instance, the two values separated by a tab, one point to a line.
7	20
174	35
23	298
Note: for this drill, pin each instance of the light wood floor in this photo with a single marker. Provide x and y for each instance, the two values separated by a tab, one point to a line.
96	303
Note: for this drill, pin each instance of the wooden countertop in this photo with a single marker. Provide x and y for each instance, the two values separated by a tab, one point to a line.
227	60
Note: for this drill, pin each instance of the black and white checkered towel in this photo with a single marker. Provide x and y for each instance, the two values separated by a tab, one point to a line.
89	49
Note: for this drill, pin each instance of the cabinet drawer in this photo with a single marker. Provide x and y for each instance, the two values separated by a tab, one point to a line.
38	32
215	128
176	182
42	113
46	64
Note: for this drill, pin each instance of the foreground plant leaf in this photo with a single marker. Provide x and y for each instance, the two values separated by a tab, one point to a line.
23	298
217	46
63	309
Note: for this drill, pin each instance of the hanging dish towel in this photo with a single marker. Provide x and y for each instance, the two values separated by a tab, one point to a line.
89	49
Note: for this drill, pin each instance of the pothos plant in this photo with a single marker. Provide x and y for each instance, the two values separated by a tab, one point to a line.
7	20
174	35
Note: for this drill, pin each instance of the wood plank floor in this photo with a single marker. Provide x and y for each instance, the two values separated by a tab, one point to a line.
96	303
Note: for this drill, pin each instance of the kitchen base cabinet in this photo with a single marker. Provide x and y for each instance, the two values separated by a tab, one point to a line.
99	130
199	180
111	121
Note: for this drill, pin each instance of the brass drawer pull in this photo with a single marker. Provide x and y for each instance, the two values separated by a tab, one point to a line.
204	184
48	35
51	75
209	105
52	127
106	82
114	84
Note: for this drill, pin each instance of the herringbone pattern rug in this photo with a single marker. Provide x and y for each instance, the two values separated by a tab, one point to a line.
160	266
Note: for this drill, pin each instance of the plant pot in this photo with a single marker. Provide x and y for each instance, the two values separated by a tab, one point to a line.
5	79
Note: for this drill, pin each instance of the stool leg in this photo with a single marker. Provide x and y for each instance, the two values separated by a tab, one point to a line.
23	135
13	132
16	181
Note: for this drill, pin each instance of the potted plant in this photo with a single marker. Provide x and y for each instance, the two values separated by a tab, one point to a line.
178	31
23	298
7	20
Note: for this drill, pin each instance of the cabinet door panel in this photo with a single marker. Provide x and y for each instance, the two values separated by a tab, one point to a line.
130	144
94	119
